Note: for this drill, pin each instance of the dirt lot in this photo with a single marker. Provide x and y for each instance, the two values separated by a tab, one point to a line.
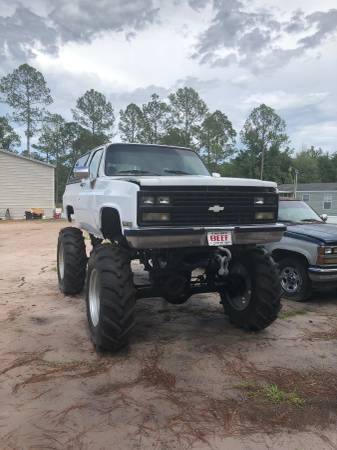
189	379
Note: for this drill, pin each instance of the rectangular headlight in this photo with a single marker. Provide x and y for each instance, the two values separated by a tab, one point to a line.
258	200
266	215
155	217
328	250
147	200
163	200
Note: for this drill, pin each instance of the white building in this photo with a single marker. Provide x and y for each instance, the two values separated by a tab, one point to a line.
24	184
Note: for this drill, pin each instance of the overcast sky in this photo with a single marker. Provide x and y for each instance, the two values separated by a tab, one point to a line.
237	54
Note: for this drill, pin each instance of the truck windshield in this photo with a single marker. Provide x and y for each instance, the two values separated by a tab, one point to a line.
142	160
297	211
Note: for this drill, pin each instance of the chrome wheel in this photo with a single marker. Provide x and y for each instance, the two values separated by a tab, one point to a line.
239	292
291	280
94	301
61	262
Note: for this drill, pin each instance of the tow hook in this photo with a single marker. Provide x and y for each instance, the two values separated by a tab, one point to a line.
223	257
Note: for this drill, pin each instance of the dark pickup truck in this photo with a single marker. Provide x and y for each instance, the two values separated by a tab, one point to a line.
307	253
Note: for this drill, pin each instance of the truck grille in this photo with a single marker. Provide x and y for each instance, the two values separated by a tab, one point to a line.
190	206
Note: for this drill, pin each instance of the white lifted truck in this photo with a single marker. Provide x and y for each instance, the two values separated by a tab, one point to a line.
193	232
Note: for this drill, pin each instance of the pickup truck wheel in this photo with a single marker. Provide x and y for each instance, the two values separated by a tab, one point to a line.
295	282
252	298
71	261
110	297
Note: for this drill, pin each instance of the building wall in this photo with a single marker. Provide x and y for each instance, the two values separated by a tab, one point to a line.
25	184
316	201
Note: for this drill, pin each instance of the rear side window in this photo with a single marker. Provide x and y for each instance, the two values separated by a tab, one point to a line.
79	163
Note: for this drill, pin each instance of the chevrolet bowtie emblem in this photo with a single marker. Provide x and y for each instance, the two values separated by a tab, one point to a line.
216	208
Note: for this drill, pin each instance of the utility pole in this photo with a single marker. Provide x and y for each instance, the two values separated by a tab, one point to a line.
296	173
262	162
295	182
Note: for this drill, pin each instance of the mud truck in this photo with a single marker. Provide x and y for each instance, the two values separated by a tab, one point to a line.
194	232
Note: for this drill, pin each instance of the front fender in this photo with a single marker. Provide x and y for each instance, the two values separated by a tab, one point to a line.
121	196
306	249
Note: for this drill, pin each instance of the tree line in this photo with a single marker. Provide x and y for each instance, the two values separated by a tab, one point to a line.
262	148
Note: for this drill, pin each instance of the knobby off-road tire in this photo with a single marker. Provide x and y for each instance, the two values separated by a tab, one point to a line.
110	297
295	282
253	304
71	261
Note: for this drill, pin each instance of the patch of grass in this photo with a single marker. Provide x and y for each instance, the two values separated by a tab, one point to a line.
295	399
276	395
291	313
272	393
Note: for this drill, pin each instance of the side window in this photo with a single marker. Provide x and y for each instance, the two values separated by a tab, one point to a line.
79	163
327	200
94	164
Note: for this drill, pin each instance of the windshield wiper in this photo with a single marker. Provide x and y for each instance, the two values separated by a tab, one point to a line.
176	172
135	172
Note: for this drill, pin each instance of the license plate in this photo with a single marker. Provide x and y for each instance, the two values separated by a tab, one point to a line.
219	238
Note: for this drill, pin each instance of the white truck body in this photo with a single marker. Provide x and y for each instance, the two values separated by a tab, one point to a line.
87	198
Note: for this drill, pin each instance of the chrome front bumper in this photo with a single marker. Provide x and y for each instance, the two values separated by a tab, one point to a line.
165	237
322	274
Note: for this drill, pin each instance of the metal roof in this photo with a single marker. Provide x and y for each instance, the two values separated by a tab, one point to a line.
26	158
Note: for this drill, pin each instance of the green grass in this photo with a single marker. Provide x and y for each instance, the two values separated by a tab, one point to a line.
276	395
272	393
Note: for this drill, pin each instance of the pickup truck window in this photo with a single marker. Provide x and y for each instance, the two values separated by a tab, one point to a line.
94	164
297	212
152	160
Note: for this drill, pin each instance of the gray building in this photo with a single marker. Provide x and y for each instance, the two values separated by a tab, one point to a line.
322	197
24	184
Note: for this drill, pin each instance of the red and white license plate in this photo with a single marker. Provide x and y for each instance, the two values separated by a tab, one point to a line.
219	238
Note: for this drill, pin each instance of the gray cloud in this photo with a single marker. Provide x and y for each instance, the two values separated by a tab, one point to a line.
252	39
81	20
22	31
326	25
197	4
61	21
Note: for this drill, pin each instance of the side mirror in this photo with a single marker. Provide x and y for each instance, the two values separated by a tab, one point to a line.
81	172
216	175
324	217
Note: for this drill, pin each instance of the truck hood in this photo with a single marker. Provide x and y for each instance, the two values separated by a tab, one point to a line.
322	232
200	180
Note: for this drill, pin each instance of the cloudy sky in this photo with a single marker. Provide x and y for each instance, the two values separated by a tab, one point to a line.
236	53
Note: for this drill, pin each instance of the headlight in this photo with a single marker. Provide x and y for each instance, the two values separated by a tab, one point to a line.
330	250
147	200
155	217
268	215
163	200
327	255
258	200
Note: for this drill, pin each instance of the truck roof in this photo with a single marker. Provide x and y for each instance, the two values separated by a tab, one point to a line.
136	144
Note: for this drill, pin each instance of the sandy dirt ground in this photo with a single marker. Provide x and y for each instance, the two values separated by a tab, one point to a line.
188	381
